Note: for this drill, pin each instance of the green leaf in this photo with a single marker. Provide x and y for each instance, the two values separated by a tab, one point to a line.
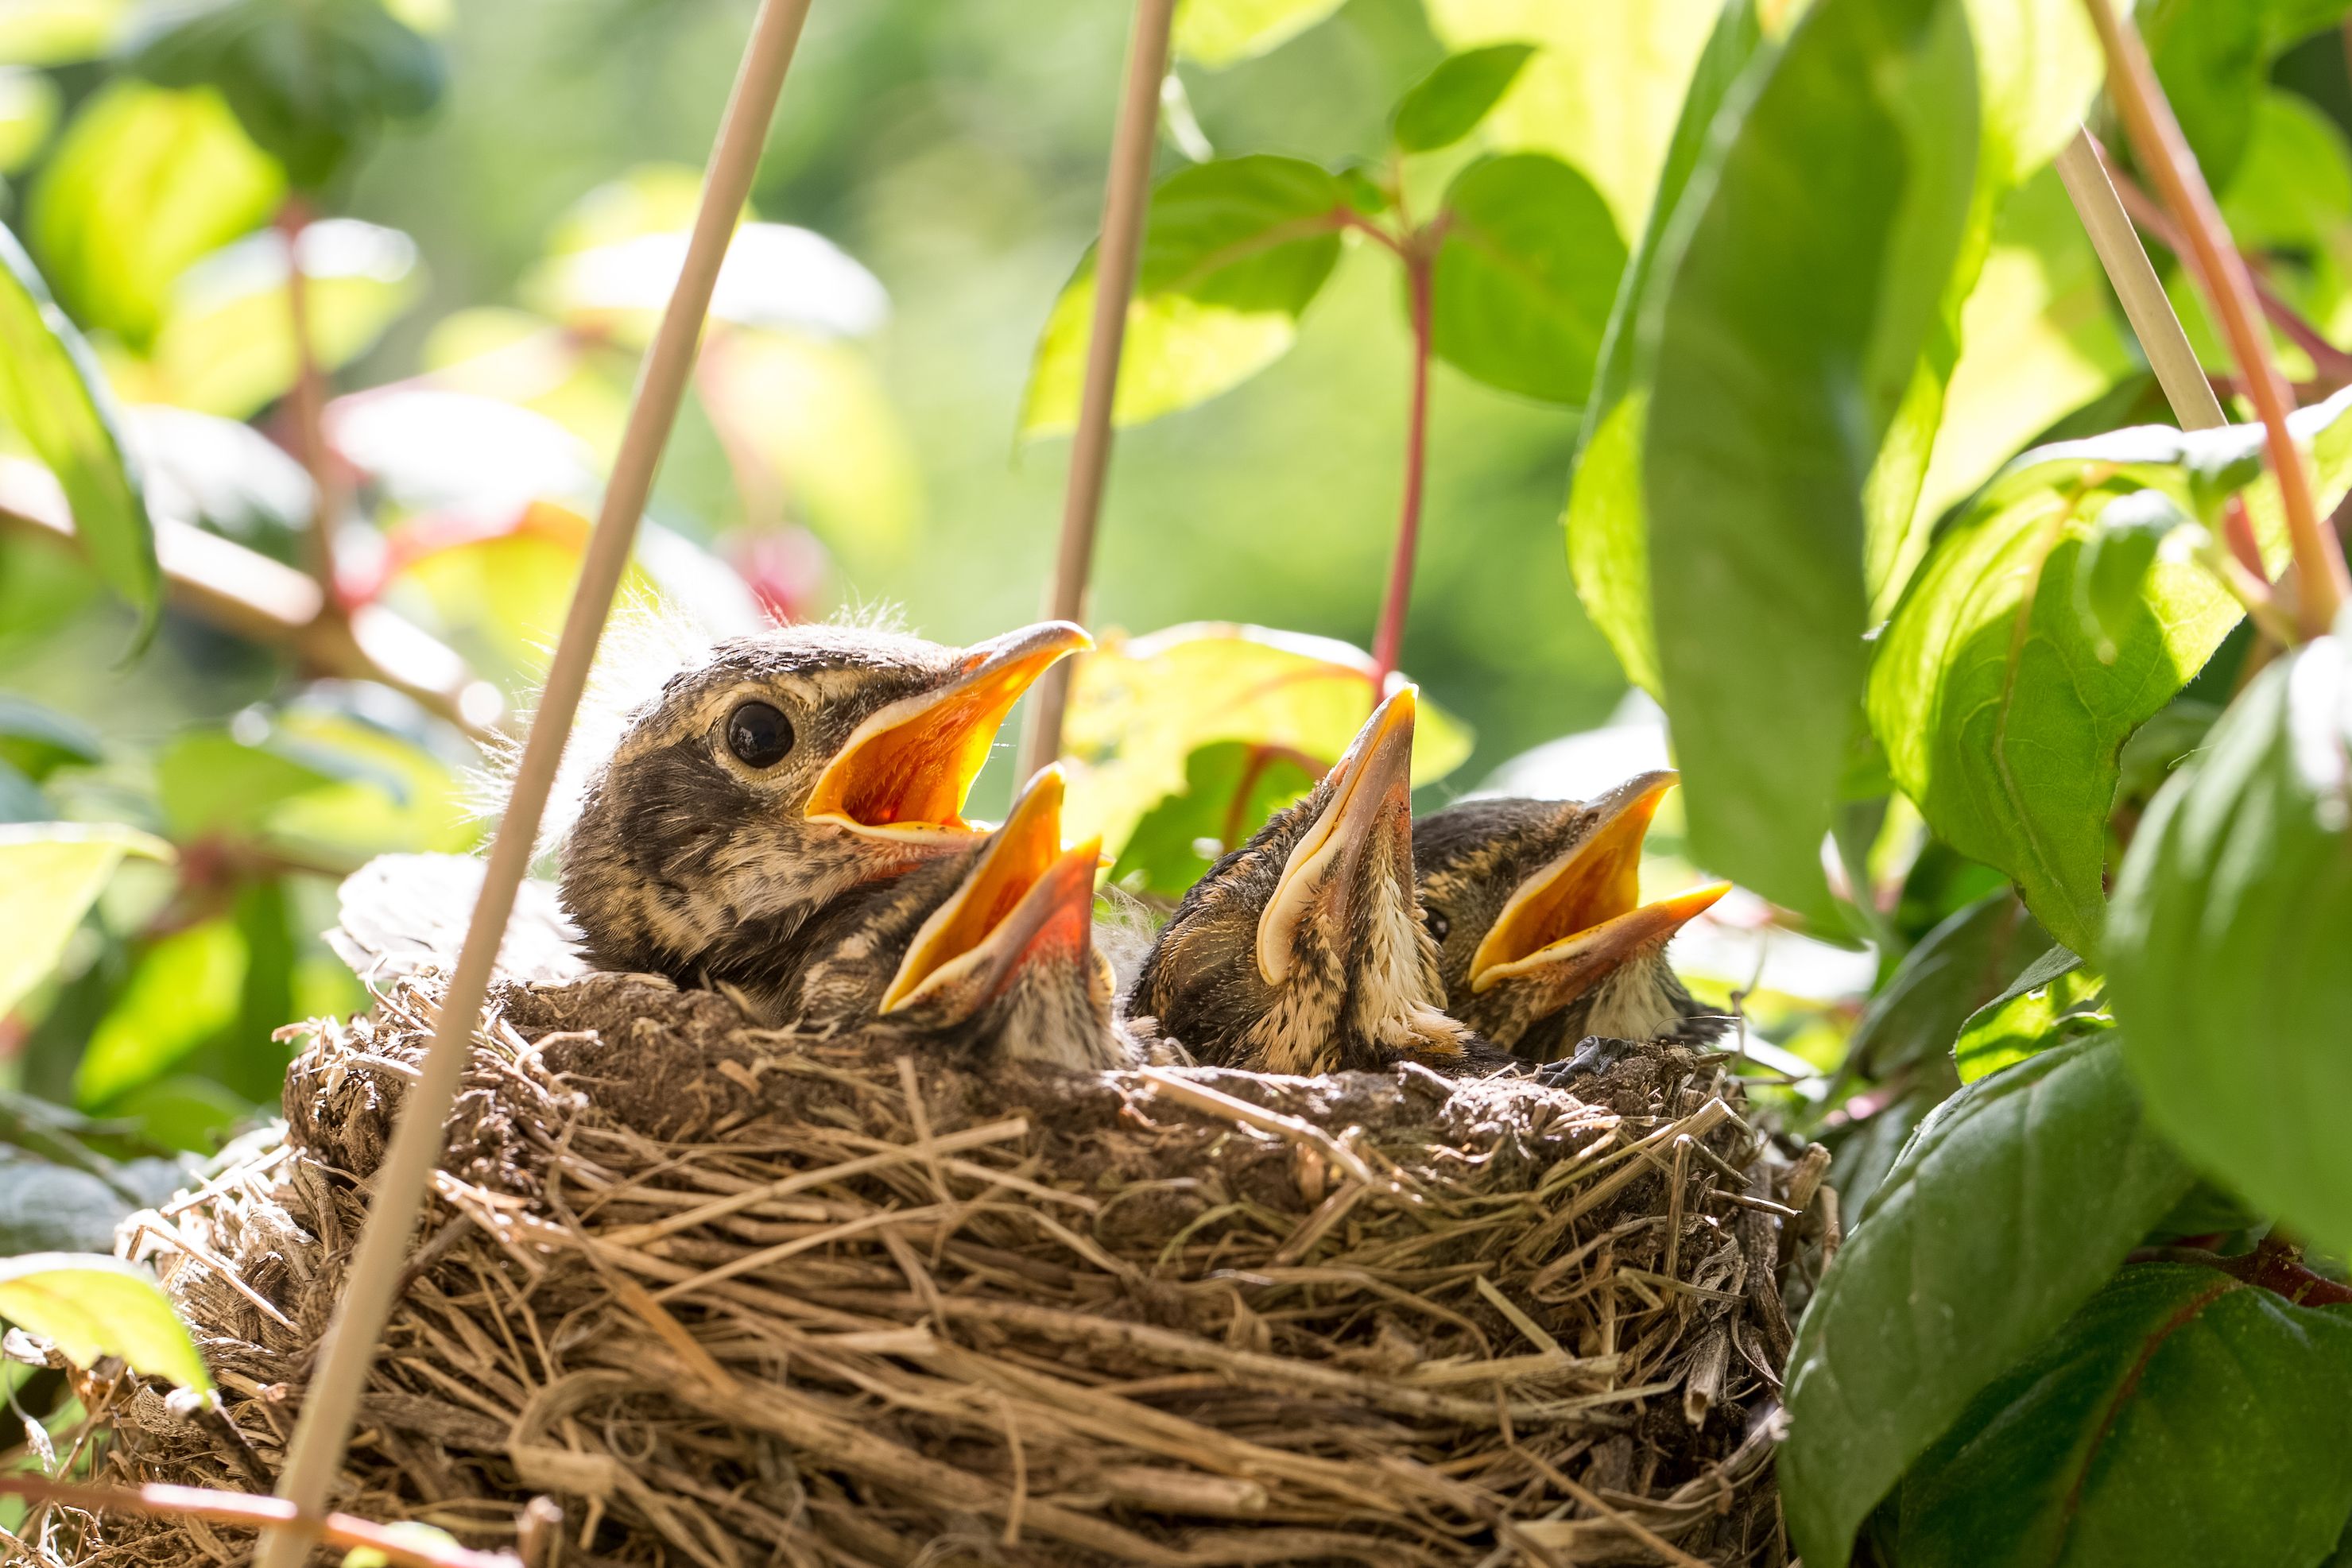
21	800
52	393
1955	969
1807	286
50	873
1234	251
227	477
211	783
313	80
1525	275
28	112
54	32
2054	1001
1999	717
92	1306
48	1207
2180	1416
1139	708
2294	188
2226	947
226	343
1447	104
36	741
184	991
2013	1201
1217	33
1230	788
146	182
2110	574
1608	550
1605	90
2213	63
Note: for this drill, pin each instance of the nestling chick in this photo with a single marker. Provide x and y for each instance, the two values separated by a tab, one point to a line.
1302	951
780	775
1541	936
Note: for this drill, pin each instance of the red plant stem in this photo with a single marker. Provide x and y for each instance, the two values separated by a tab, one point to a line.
2333	363
346	1531
2323	582
2274	1265
310	405
1388	640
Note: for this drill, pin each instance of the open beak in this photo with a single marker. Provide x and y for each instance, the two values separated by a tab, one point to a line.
907	770
1026	898
1372	797
1581	917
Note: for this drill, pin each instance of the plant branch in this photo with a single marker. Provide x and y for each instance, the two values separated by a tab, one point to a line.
1388	639
310	405
2321	581
246	594
2274	1265
2333	365
1126	195
331	1399
346	1531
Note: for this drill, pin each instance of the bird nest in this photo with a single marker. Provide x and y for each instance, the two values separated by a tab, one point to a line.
728	1296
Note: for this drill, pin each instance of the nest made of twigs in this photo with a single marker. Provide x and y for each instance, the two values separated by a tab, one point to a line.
732	1296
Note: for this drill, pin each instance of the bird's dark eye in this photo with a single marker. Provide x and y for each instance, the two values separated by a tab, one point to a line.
1437	922
759	734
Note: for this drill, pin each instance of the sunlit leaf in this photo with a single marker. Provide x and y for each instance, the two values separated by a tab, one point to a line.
1801	303
28	112
2054	1001
51	392
1447	104
1525	277
1140	707
53	32
1230	788
1220	32
432	449
2181	1416
145	183
2214	62
1234	251
2012	1203
313	80
92	1306
226	344
50	873
2226	945
775	276
222	476
2110	574
1997	715
184	991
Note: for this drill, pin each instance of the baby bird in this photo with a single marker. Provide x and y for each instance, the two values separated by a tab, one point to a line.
786	773
1302	951
1003	967
1542	938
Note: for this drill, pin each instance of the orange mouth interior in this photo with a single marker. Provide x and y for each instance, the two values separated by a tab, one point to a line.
973	925
909	767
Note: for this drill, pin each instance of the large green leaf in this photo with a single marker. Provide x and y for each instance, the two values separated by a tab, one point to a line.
1140	708
52	393
1230	788
50	873
1608	548
1233	253
50	1207
1447	104
93	1306
313	80
2214	62
2181	1416
184	991
1525	276
1997	715
53	32
2226	952
37	740
1956	968
1222	32
146	181
226	343
2054	1000
28	112
1811	261
2013	1201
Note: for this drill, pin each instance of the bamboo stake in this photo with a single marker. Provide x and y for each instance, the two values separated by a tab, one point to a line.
2133	277
331	1401
2322	581
1126	197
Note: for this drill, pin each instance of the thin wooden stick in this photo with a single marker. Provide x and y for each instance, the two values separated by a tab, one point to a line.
1127	195
343	1530
2322	581
331	1401
2133	277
